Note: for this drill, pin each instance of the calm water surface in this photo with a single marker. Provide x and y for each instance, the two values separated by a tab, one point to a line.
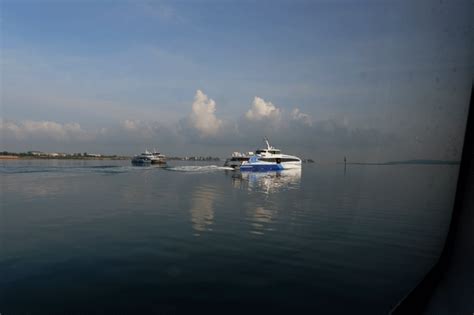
103	236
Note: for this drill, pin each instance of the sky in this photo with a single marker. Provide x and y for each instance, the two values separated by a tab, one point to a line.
371	80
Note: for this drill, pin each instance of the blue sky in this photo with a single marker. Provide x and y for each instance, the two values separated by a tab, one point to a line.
374	80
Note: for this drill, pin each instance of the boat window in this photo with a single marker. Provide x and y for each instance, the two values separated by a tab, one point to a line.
268	159
279	159
289	160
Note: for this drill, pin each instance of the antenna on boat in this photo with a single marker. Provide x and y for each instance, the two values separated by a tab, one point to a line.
268	144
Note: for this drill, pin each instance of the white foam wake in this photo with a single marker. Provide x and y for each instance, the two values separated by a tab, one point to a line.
199	169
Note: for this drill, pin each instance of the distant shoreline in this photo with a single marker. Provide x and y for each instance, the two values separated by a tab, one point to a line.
9	157
411	162
109	158
17	157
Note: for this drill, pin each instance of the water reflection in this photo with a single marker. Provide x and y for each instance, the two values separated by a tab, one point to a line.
261	219
267	182
202	209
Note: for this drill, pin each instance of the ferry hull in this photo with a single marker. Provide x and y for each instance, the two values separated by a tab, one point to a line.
141	162
261	167
158	162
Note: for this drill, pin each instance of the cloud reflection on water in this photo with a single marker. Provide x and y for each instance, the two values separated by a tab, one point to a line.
202	209
261	219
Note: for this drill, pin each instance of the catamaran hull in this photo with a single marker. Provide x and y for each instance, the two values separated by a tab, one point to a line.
141	162
158	162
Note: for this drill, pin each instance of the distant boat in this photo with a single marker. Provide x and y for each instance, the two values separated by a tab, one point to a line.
237	158
147	157
270	159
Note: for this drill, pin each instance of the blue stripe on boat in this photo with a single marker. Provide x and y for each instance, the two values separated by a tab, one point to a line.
261	167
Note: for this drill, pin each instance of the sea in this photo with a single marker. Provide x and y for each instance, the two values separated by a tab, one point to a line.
106	237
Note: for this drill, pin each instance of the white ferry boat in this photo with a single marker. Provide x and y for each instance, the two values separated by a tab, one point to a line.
149	158
270	159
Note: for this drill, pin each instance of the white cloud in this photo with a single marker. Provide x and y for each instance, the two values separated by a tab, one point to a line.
42	129
203	116
138	129
297	115
262	110
130	124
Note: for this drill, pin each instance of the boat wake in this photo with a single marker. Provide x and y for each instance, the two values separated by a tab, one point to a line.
199	169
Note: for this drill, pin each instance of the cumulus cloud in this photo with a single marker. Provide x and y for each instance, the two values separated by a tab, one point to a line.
202	132
42	130
262	110
297	115
123	137
203	117
140	131
131	124
137	129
